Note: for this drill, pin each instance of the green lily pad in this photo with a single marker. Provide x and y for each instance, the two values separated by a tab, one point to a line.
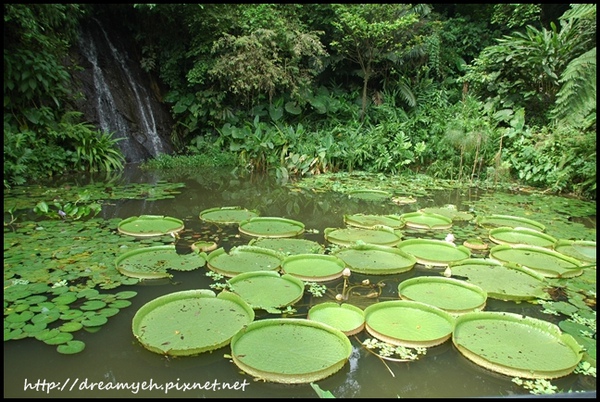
150	225
346	317
426	220
549	263
153	262
531	237
503	281
190	322
369	221
376	260
290	350
313	267
351	236
289	246
267	289
243	259
62	337
516	345
370	195
451	295
71	347
408	323
271	227
494	221
71	326
227	215
203	246
581	250
437	253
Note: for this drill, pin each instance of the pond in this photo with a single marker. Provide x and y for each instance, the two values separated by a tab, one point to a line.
115	364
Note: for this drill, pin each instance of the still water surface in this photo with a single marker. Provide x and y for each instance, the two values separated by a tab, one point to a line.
113	355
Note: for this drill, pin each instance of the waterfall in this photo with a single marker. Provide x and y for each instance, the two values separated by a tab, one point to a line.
117	99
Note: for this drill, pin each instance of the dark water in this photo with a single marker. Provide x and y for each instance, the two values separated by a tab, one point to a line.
113	357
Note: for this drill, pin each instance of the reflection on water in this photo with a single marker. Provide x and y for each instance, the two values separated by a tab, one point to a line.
113	358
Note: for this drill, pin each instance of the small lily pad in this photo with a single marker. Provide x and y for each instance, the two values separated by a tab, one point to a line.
71	347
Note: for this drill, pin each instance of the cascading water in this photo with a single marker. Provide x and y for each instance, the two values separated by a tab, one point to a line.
117	99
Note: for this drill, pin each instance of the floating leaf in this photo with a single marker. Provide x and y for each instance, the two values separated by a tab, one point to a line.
71	347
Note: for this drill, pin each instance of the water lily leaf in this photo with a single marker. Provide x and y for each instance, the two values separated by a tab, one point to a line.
70	314
32	329
71	326
109	311
65	298
92	305
271	227
153	262
351	236
150	225
313	267
376	260
267	289
119	304
71	347
426	220
46	334
289	246
19	317
227	215
47	317
243	259
434	252
346	317
94	321
62	337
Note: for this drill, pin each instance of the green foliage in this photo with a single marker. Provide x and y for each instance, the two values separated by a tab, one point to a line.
81	207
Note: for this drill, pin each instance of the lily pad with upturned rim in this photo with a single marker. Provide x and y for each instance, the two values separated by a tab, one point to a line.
526	236
437	253
154	262
516	345
408	323
242	259
369	221
150	225
290	350
270	226
267	289
494	221
451	295
289	246
346	317
351	236
549	263
502	281
313	267
581	250
227	215
376	260
426	220
190	322
370	195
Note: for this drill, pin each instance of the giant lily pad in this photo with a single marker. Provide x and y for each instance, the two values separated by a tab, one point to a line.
549	263
289	246
581	250
516	345
451	295
190	322
267	289
243	259
150	225
408	323
494	221
371	221
269	226
313	267
154	262
426	220
503	281
290	350
370	195
376	260
227	215
346	317
437	253
531	237
351	236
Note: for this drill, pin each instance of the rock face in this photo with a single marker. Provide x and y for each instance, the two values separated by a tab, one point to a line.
117	94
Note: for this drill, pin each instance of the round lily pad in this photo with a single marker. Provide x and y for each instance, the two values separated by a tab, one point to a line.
408	323
369	221
271	227
153	262
190	322
516	345
227	215
376	260
71	347
243	259
549	263
451	295
346	317
503	281
438	253
290	350
369	195
581	250
150	225
426	220
531	237
267	289
351	236
494	221
313	267
289	246
204	246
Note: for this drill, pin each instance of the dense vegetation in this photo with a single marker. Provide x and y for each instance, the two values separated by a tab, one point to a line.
494	92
